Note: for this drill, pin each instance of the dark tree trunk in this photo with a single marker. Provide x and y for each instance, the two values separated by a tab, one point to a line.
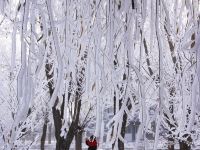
74	125
170	138
123	130
114	103
60	145
170	143
57	114
70	135
44	131
61	142
64	144
184	146
43	138
49	133
78	140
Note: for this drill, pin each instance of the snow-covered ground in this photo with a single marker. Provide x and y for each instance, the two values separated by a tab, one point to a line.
128	146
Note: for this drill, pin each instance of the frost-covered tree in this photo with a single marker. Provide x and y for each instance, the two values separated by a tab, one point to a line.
66	62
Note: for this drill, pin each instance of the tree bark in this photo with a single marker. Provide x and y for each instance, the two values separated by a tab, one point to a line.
78	140
123	129
170	143
44	133
58	125
172	90
114	105
147	57
43	138
63	143
49	133
184	146
57	114
74	125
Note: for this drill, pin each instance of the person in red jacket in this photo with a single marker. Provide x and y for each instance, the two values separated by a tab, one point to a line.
91	143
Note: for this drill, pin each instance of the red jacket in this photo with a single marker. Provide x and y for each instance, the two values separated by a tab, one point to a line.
92	143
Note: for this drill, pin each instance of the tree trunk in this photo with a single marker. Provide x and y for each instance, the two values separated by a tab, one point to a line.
57	117
114	104
57	114
49	133
70	136
78	140
170	143
184	146
123	130
43	138
60	145
61	142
